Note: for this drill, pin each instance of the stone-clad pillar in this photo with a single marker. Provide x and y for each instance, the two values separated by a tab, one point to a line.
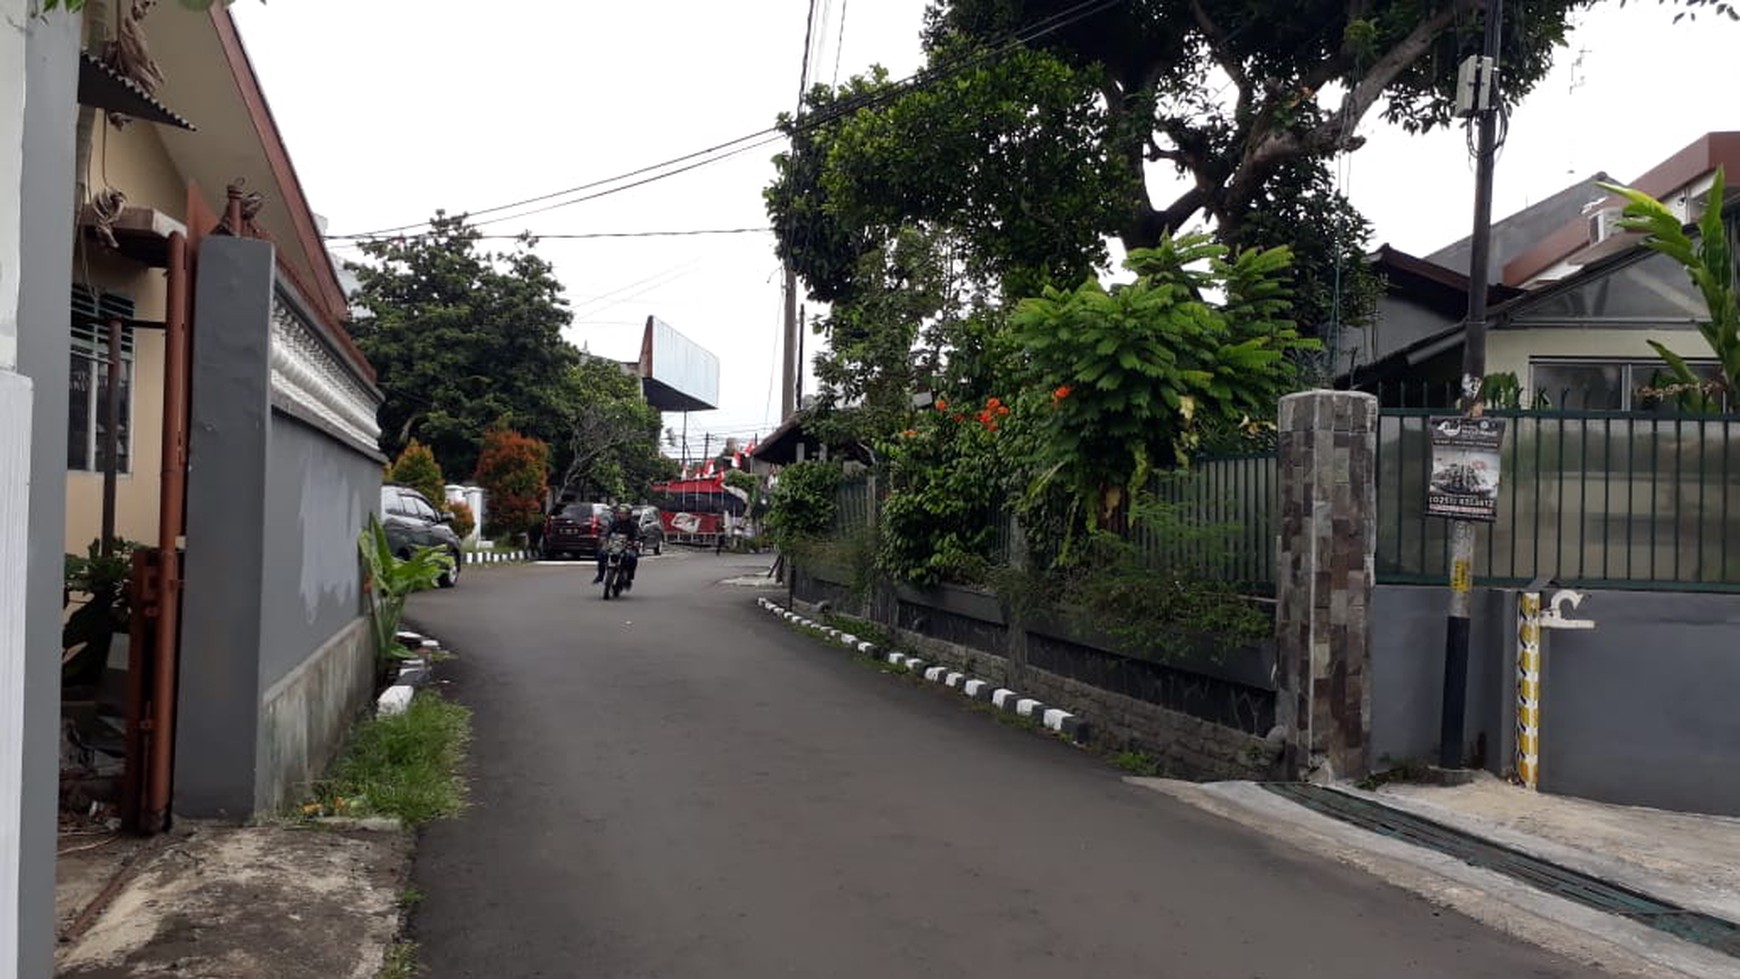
1327	466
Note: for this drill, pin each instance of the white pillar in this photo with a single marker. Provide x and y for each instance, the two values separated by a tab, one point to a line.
15	418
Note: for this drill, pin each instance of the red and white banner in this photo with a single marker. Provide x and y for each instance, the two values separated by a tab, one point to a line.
680	522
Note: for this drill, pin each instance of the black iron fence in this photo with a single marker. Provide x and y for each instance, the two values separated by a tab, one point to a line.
1601	499
1627	500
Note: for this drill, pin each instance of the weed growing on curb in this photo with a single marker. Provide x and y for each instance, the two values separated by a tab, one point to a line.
401	962
1139	763
1407	770
410	896
404	765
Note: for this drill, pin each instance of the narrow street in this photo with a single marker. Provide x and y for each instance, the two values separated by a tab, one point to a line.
673	785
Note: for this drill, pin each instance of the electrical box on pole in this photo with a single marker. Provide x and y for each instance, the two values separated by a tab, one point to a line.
1475	85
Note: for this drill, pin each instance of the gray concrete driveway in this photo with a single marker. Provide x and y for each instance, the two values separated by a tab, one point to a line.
674	785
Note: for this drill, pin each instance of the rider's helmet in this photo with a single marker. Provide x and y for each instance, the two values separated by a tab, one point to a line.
623	512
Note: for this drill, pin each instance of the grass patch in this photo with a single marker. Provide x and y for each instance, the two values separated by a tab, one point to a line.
410	897
1139	763
403	765
401	961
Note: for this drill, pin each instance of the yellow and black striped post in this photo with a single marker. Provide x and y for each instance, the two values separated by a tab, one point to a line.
1528	688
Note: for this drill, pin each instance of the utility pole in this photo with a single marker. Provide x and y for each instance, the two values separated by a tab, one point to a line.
1484	107
788	401
803	324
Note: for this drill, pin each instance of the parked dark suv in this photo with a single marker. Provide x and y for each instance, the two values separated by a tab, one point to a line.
652	528
411	521
573	529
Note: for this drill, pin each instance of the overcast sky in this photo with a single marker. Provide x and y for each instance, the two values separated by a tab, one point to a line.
392	108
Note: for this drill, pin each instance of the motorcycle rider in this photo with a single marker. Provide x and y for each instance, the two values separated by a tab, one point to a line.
622	522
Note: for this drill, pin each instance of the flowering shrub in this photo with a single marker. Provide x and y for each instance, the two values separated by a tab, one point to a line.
1137	376
945	500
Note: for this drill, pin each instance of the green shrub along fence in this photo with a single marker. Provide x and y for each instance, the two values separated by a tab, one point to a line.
1597	499
1232	498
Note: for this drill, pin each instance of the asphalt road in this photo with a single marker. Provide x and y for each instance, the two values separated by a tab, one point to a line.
675	785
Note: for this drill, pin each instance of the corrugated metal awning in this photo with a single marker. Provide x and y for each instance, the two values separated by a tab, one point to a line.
102	87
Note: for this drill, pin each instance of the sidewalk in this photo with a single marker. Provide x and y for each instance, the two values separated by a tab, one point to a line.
1687	860
1690	860
267	902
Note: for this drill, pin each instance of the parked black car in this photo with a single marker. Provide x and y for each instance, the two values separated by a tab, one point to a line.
573	530
411	521
652	528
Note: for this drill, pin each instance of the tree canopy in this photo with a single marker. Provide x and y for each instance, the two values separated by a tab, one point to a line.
1030	134
463	340
613	435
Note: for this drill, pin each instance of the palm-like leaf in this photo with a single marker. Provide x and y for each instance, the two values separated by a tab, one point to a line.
1709	263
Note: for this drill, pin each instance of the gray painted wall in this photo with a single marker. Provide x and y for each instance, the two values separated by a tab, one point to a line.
1638	711
1641	710
50	120
276	658
219	699
1399	322
318	495
1407	675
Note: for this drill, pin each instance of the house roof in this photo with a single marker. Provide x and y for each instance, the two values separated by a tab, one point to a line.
1431	282
209	77
1702	156
1505	312
1519	232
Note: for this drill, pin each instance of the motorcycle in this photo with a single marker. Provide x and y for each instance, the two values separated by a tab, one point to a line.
615	565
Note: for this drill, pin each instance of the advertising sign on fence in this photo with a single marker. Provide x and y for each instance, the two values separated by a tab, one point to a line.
1465	468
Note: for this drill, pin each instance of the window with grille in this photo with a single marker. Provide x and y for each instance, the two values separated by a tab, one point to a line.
88	382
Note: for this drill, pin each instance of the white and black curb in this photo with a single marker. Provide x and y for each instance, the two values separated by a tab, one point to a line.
1063	722
413	673
497	557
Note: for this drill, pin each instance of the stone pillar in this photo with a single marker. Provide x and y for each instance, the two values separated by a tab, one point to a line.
1327	465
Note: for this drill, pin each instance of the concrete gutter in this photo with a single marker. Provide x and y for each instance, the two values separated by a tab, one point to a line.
1602	941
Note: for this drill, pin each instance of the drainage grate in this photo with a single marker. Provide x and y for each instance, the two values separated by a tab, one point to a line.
1693	926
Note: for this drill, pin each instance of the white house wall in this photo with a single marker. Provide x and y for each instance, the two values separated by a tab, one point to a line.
1509	350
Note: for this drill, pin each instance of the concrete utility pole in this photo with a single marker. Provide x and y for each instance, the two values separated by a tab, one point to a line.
1484	107
788	400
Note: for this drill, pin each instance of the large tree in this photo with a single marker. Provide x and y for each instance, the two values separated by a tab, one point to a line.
613	435
463	340
1032	132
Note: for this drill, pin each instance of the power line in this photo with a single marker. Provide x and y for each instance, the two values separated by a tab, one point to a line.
772	134
641	234
603	234
840	42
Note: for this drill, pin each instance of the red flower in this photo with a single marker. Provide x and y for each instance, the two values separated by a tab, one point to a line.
960	417
1002	409
942	404
1061	392
993	403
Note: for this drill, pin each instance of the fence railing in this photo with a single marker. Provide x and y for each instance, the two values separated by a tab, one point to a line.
1600	499
1226	506
1627	500
852	507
